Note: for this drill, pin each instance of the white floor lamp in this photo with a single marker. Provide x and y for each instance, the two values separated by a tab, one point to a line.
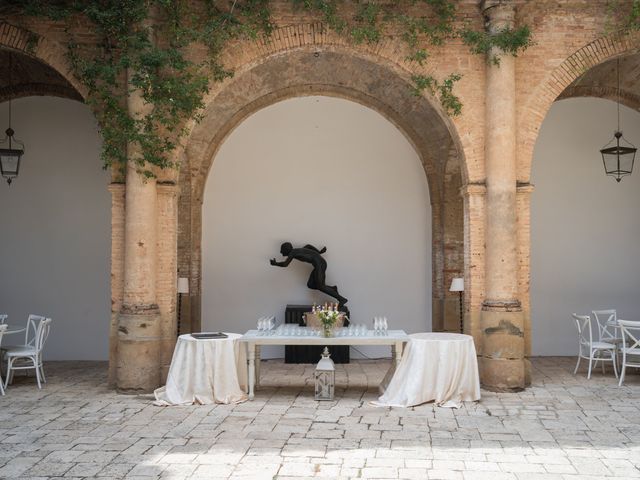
457	285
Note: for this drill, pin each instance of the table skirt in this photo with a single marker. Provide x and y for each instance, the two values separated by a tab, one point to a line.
440	367
205	371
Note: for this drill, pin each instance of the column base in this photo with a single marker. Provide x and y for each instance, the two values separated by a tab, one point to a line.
139	368
502	363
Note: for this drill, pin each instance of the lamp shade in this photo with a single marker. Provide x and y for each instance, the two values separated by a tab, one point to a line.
618	159
183	285
10	156
457	285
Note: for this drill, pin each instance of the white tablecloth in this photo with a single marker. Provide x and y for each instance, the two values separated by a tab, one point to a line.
440	367
206	371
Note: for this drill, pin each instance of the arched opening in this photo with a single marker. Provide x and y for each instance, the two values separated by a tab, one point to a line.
56	214
335	73
584	250
324	171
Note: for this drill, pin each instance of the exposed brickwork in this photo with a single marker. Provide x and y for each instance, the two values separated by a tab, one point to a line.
303	57
117	271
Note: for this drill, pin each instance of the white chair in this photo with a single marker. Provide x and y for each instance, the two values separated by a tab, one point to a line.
3	327
630	345
607	321
3	318
27	357
30	332
590	350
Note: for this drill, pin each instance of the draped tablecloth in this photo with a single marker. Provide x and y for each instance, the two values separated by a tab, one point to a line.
440	367
205	371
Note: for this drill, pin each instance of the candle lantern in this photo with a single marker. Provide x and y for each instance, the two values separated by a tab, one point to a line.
325	377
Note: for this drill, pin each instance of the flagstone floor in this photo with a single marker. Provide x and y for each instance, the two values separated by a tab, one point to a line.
563	427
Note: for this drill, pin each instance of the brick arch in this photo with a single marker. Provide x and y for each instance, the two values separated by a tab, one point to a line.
389	55
533	113
628	99
43	49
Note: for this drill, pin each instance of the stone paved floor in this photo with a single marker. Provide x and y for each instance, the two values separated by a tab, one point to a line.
564	427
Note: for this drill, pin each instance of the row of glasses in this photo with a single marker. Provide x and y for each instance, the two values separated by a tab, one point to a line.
266	325
353	330
294	330
380	325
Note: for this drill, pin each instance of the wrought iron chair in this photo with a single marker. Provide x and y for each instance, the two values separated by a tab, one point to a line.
590	350
29	356
630	346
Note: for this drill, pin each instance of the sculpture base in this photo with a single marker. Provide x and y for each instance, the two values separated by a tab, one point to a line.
310	353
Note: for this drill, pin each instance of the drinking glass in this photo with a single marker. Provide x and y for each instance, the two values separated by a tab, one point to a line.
385	325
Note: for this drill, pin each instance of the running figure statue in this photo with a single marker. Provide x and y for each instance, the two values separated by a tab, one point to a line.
310	254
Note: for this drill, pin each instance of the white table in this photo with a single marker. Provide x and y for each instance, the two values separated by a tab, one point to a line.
440	367
255	338
205	371
14	329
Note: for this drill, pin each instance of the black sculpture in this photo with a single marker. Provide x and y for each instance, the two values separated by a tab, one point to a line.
310	254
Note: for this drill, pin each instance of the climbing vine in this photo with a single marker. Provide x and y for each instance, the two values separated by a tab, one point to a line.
142	45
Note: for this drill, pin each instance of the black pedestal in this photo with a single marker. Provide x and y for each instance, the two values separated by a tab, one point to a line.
310	353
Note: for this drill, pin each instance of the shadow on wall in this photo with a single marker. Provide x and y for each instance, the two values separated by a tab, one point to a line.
584	226
56	222
324	171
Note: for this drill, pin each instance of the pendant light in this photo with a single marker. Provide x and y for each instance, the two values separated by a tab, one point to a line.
618	155
11	149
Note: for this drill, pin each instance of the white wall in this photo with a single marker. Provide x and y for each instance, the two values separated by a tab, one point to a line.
585	226
55	220
324	171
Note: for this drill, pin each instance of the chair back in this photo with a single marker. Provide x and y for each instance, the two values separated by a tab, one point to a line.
630	334
33	321
42	333
607	321
3	318
3	327
585	337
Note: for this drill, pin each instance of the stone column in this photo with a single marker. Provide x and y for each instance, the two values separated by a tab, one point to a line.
474	201
502	360
117	272
523	199
166	289
139	321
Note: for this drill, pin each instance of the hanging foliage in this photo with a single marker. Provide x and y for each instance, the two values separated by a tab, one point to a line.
148	40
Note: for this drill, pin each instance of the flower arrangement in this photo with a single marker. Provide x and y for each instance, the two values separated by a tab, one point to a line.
328	316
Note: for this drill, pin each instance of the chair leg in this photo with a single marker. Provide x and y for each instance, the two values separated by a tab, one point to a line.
44	379
590	364
577	365
613	360
37	369
9	377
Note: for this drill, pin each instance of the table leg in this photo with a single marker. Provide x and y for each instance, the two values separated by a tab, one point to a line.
396	354
251	360
258	361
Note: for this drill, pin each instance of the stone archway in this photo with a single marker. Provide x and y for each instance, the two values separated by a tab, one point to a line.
330	71
557	84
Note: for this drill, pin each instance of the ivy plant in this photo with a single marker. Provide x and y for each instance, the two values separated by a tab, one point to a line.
142	45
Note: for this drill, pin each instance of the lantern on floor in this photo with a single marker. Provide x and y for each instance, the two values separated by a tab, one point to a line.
325	377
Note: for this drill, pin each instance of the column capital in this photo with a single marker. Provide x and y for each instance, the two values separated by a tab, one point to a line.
499	14
116	188
167	188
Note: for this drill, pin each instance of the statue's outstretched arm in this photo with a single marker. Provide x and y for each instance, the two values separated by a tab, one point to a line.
284	263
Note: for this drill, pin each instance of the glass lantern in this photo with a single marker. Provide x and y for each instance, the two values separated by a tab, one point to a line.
325	377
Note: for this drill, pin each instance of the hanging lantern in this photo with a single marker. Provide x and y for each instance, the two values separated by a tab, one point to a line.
325	377
11	149
618	155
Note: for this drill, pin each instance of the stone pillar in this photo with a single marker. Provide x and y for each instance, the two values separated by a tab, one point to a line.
502	361
474	201
523	200
166	289
139	321
437	266
117	273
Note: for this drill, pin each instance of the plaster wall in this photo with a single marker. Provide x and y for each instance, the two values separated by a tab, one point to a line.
56	221
585	227
324	171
